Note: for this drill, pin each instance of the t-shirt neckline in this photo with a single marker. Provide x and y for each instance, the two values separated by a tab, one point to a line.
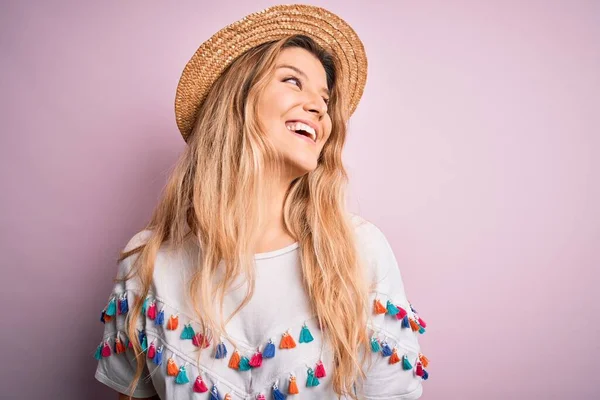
275	253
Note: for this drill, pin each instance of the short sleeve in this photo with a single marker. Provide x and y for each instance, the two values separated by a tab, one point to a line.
116	359
398	366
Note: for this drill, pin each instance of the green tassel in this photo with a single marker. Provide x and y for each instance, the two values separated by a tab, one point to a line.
244	364
405	363
312	380
182	376
391	308
145	344
111	310
98	355
305	335
375	347
188	332
145	305
421	330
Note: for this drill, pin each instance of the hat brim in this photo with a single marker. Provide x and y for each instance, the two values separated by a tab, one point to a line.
214	55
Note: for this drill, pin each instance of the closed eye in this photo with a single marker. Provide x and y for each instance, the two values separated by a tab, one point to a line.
299	84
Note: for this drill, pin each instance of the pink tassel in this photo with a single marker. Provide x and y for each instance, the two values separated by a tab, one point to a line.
199	340
151	350
402	313
421	322
419	371
106	350
152	311
256	360
320	370
200	386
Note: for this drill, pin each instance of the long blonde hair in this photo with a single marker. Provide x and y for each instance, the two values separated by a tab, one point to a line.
214	195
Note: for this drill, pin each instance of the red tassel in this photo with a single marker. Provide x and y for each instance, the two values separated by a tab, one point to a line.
256	360
152	311
199	340
200	386
419	371
379	308
421	322
402	313
106	350
320	370
119	346
107	318
151	350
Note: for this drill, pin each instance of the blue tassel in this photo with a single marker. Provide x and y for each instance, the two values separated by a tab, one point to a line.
392	309
158	357
277	395
311	379
221	351
425	375
305	335
375	347
386	351
244	364
123	305
406	365
214	393
145	305
269	351
98	354
160	318
405	322
182	376
188	332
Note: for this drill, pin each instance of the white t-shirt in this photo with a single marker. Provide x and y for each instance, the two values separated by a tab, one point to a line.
279	307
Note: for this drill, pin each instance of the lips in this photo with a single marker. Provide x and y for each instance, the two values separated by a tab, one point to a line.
303	128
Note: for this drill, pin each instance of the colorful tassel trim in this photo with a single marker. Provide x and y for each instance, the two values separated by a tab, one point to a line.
123	304
188	332
419	369
145	305
394	358
234	360
214	393
106	350
256	360
152	311
287	341
119	346
172	369
158	357
392	309
305	335
244	364
221	351
375	346
401	313
200	386
269	351
378	308
311	379
98	353
200	341
111	309
277	395
386	351
182	376
405	322
406	365
160	318
173	322
424	360
151	351
320	370
293	386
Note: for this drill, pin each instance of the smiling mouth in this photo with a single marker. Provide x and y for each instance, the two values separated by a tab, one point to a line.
302	129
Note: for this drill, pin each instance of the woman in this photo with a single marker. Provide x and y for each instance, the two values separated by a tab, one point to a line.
252	280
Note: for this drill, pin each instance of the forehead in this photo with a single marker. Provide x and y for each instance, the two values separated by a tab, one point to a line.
305	61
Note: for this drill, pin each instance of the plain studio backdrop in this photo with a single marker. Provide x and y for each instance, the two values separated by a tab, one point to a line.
474	149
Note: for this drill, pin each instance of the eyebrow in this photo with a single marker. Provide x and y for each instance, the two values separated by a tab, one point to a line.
301	73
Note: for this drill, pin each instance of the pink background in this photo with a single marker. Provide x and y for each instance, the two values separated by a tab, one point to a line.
473	149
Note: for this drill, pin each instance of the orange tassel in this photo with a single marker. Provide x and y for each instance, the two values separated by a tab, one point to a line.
172	369
107	318
120	347
379	308
234	361
394	358
287	341
293	388
424	360
413	324
228	397
173	322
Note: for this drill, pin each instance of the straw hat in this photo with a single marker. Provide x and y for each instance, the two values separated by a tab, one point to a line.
273	23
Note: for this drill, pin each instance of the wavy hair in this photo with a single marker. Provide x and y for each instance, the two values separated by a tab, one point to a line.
215	194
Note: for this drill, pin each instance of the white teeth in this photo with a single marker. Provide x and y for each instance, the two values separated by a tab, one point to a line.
295	126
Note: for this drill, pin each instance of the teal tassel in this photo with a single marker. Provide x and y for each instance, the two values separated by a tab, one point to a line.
421	330
391	308
145	305
305	335
188	332
244	364
269	351
111	310
98	354
145	344
405	363
312	380
182	376
375	347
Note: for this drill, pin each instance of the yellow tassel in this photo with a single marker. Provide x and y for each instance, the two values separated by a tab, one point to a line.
172	369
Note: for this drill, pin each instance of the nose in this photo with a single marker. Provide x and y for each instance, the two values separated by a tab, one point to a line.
315	105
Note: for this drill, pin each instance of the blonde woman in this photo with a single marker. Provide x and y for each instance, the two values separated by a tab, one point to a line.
252	281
